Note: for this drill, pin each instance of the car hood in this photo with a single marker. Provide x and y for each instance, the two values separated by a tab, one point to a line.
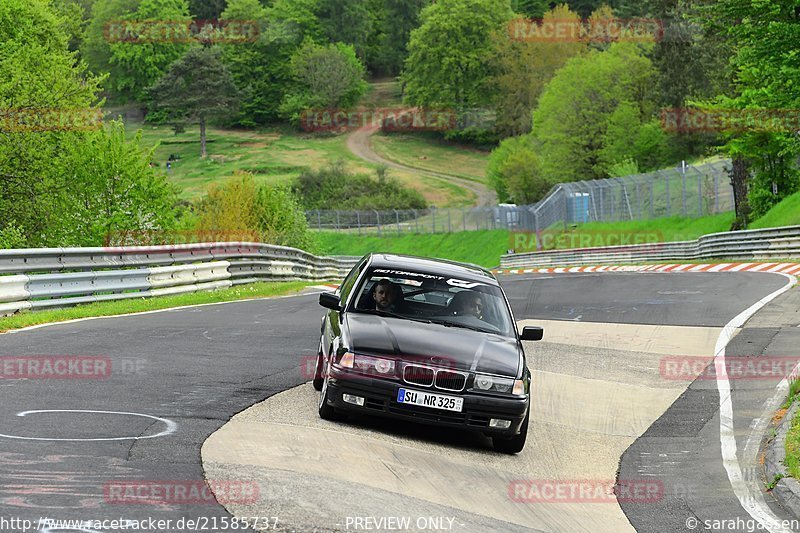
450	347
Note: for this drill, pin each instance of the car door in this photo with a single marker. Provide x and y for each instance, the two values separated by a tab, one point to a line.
331	324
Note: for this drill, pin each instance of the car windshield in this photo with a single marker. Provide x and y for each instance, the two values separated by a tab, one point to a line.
435	298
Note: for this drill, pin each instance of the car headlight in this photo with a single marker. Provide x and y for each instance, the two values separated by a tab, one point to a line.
374	365
487	383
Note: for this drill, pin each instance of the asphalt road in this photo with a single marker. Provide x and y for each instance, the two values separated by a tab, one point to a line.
197	367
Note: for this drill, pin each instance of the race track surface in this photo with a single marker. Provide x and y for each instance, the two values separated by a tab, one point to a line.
600	398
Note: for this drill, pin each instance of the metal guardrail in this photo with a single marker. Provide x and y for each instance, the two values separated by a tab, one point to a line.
755	245
62	277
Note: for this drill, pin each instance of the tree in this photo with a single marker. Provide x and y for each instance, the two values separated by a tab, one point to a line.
37	73
533	9
261	70
74	20
206	9
328	77
575	110
764	37
515	173
400	17
137	59
450	55
348	21
524	67
627	138
111	188
196	88
64	183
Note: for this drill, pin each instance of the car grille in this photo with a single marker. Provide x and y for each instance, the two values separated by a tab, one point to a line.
441	379
452	381
418	375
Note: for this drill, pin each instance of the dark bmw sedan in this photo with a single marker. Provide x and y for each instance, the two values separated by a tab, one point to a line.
428	341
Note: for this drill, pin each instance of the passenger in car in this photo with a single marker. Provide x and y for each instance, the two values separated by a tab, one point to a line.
467	303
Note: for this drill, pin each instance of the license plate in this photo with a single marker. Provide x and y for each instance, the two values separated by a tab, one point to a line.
428	399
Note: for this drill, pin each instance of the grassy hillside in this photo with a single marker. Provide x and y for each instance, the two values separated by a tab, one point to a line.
429	152
786	213
275	156
482	248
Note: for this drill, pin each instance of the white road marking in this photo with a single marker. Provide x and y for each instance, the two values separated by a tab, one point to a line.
171	426
749	494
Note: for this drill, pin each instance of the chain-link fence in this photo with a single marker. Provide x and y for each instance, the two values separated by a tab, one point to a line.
687	191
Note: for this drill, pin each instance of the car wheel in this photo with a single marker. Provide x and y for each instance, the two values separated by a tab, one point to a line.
326	412
514	444
318	379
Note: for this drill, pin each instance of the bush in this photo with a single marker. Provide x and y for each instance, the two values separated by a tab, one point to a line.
240	206
333	187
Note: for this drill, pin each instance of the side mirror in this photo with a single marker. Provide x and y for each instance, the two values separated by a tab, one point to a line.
532	333
330	301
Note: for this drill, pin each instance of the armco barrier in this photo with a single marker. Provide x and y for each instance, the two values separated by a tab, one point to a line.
61	277
749	245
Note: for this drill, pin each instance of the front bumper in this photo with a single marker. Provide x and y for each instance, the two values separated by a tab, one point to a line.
380	398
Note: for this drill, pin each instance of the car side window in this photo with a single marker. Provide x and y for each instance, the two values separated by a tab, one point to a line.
347	285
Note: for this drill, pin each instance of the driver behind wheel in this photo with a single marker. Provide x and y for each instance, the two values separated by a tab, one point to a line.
387	296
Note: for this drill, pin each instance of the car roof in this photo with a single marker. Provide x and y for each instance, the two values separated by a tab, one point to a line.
432	266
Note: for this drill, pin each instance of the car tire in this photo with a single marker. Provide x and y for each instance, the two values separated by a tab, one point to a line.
318	379
514	444
326	412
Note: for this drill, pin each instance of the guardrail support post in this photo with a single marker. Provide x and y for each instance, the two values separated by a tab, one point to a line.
397	220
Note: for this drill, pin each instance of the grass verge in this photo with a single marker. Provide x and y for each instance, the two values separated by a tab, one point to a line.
792	461
482	248
654	230
138	305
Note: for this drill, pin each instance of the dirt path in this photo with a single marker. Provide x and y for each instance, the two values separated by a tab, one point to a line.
360	143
